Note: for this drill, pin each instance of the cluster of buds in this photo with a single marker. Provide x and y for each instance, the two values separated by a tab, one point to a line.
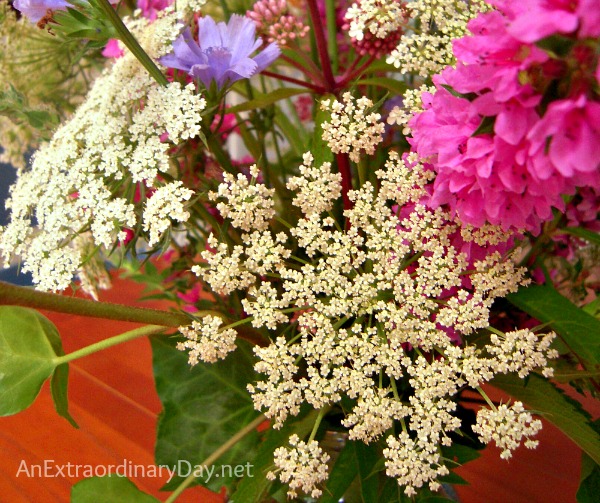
275	22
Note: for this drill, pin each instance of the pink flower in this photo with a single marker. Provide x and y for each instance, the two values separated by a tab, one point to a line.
569	132
112	49
520	126
543	18
150	8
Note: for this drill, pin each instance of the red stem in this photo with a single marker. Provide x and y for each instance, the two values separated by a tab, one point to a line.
347	77
304	70
317	89
321	45
343	162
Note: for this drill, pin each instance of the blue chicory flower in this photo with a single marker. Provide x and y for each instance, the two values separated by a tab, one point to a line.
37	9
222	53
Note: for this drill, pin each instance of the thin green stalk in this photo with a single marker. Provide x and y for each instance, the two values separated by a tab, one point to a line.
331	34
485	397
249	428
320	417
107	343
132	44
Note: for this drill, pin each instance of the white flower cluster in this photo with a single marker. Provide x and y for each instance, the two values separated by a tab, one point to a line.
207	341
359	297
164	205
75	182
521	351
413	463
249	205
303	467
428	50
317	188
172	110
351	127
379	17
507	427
412	104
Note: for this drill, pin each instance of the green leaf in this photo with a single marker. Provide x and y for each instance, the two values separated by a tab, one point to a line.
113	488
579	330
318	147
593	307
264	100
296	136
58	387
342	474
13	105
398	87
549	401
203	407
486	126
460	454
592	237
29	343
589	487
367	457
255	485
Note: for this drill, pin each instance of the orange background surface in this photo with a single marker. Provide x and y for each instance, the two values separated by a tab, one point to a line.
112	397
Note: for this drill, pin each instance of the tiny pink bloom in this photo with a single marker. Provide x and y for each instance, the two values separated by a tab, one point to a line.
112	49
150	8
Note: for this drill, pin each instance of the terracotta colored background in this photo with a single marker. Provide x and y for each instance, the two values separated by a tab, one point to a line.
112	397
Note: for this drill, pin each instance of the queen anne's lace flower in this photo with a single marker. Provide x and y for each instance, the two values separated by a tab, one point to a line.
413	463
75	181
365	292
507	426
352	127
303	467
165	204
317	188
248	204
206	340
375	26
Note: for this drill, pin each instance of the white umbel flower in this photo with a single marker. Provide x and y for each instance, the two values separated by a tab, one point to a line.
207	341
303	467
165	205
248	204
352	127
507	427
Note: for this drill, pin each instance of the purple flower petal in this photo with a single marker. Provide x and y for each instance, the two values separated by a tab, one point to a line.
223	52
37	9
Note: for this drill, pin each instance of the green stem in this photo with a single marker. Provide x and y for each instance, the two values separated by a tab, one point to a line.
132	44
485	397
107	343
320	417
12	295
249	428
22	296
331	34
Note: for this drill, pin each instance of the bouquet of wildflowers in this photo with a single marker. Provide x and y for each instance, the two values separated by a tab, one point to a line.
362	213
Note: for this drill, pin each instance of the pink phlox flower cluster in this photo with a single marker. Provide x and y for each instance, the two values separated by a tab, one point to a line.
505	147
